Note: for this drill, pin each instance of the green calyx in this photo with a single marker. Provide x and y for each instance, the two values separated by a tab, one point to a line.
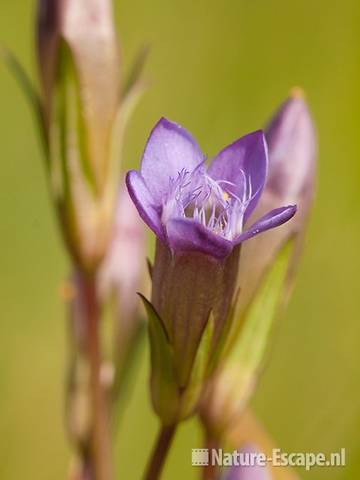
173	402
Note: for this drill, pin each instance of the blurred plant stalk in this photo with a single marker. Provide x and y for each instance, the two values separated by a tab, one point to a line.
88	415
266	269
121	276
82	114
80	79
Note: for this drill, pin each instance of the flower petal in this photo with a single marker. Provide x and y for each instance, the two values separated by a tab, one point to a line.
273	219
189	235
169	150
244	159
144	202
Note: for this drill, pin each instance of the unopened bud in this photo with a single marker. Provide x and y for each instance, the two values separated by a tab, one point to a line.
266	264
123	272
80	76
85	28
292	160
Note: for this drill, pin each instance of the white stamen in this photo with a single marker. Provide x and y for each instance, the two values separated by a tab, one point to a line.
198	196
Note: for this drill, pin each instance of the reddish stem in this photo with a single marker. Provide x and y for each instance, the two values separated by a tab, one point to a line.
210	472
159	454
99	454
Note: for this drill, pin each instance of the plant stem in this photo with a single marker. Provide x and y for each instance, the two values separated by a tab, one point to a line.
210	472
159	453
99	441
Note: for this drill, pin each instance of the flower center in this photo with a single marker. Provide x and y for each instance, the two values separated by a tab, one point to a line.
210	202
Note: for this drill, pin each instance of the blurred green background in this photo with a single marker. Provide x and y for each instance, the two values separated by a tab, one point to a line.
220	68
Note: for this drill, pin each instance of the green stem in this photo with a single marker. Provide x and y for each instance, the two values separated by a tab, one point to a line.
159	453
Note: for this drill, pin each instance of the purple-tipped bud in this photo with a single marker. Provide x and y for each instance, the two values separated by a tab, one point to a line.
80	76
292	150
253	468
124	266
48	38
123	271
266	262
292	163
85	29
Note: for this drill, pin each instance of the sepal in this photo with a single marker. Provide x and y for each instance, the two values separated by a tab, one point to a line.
171	402
200	370
164	391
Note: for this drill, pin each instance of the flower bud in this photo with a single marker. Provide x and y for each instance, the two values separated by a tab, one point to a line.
80	77
122	274
123	269
267	264
85	29
292	160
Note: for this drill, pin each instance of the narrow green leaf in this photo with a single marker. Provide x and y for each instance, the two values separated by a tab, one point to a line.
26	86
155	320
136	69
164	389
122	117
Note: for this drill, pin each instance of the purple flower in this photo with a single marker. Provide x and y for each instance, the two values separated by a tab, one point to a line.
198	215
194	208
